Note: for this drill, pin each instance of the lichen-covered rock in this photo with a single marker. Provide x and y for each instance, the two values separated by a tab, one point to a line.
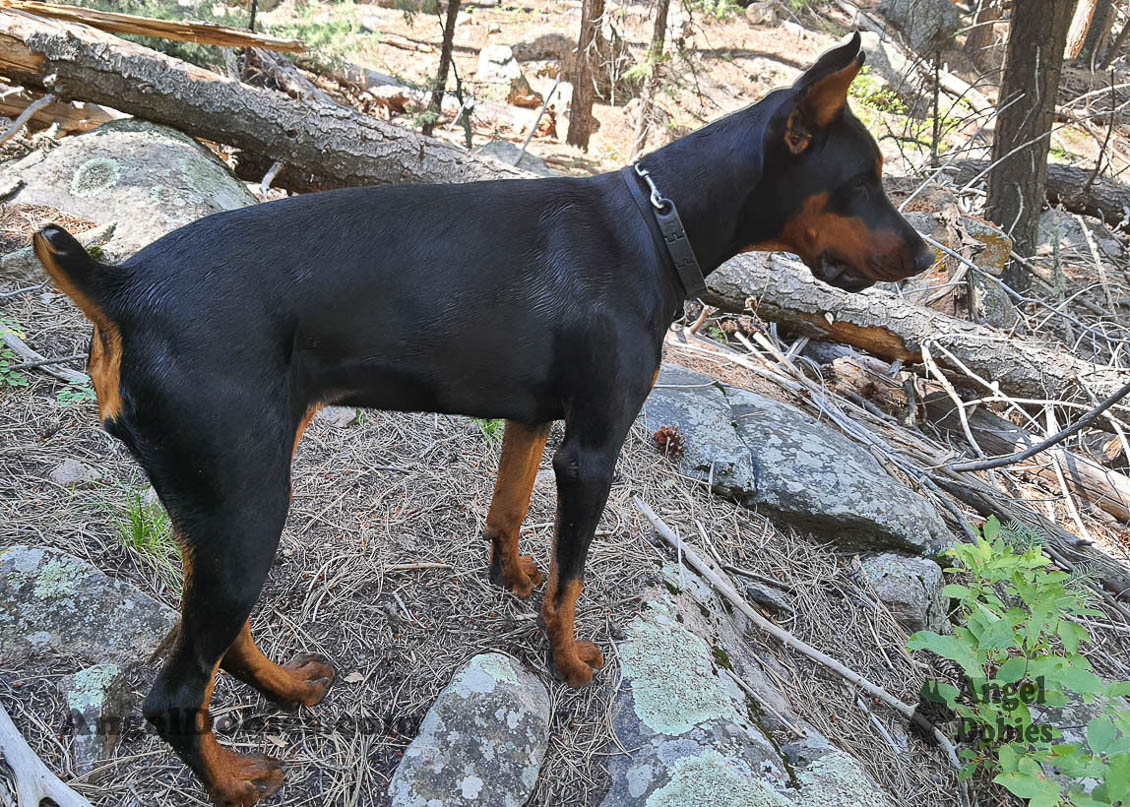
828	777
713	451
50	600
692	735
911	588
98	703
481	743
167	181
772	456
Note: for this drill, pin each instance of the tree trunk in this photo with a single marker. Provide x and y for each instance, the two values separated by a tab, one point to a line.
1037	36
440	85
1120	40
335	146
891	328
1085	15
982	38
581	121
1064	185
654	57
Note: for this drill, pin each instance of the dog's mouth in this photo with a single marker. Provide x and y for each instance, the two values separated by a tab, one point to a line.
839	273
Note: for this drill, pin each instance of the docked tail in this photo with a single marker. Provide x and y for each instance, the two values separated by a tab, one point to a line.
87	282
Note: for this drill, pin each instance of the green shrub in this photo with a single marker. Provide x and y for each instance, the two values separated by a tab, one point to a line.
1021	642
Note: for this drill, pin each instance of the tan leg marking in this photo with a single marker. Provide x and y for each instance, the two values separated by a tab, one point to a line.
522	447
233	779
575	660
302	681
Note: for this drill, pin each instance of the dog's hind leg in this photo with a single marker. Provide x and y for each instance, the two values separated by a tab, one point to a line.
522	446
228	507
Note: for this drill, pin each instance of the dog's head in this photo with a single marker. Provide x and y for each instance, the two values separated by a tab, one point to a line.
825	172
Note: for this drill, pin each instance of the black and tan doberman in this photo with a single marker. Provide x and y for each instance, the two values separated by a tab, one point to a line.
529	300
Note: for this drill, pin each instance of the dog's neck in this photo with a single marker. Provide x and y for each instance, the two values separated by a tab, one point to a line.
716	179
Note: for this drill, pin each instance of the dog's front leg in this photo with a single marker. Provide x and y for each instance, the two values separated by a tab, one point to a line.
583	466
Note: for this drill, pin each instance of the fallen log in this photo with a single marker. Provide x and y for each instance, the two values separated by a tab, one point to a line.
1067	186
201	33
865	378
783	291
339	146
71	118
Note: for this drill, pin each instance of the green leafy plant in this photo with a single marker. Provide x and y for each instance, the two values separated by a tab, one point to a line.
1021	642
8	376
145	530
76	393
492	429
870	91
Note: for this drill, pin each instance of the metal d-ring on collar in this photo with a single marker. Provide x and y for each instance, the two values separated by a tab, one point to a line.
666	226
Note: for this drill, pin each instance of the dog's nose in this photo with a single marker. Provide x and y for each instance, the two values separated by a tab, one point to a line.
924	260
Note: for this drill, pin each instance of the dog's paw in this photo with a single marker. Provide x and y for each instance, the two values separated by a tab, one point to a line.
246	780
578	667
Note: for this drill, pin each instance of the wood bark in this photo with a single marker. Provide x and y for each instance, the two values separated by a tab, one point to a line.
71	118
1080	26
435	106
333	145
983	35
654	57
1103	198
581	121
201	33
866	378
1034	59
891	328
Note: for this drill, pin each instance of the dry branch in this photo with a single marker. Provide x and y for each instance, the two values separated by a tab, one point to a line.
199	32
1073	188
1103	487
887	326
336	146
34	782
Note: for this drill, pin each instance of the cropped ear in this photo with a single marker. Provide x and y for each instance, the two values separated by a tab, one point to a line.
821	93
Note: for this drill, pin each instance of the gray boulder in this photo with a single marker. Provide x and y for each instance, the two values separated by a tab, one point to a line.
692	740
911	588
772	456
50	600
167	181
544	43
98	702
928	25
497	65
714	452
481	743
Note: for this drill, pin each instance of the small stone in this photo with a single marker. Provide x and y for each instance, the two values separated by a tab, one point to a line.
70	473
768	598
911	588
482	742
98	704
338	416
761	13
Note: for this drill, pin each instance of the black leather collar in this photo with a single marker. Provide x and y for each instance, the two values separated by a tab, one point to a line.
666	228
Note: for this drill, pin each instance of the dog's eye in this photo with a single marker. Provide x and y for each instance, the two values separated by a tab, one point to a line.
860	189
